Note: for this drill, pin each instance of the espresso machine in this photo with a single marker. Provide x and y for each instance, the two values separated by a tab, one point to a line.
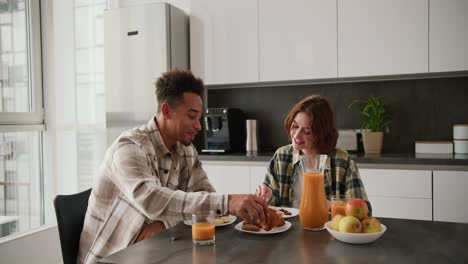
225	130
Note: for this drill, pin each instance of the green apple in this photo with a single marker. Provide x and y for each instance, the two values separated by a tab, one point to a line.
335	224
356	207
350	224
371	225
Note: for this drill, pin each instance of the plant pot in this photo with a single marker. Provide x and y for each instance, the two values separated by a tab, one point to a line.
373	142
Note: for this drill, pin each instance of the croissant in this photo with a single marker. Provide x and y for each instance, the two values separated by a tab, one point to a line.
250	227
273	219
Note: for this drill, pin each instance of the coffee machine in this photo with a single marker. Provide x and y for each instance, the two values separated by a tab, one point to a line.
225	130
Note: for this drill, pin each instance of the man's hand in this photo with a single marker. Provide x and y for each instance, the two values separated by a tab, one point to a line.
248	206
264	192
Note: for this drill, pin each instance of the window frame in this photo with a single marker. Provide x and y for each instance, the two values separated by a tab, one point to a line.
33	120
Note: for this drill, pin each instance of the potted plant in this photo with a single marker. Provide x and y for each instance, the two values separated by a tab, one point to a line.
376	121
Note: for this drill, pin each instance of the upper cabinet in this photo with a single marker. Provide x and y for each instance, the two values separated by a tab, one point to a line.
382	37
448	35
297	39
224	40
249	41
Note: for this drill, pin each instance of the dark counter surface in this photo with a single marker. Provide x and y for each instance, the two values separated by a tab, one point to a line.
385	158
405	241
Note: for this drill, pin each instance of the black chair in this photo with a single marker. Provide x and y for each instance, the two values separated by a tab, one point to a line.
70	211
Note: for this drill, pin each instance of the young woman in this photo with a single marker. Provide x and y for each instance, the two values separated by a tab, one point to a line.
311	127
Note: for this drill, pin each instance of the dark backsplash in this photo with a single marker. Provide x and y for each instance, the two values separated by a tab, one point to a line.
423	109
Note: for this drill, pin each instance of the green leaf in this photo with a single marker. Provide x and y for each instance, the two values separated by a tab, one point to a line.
375	113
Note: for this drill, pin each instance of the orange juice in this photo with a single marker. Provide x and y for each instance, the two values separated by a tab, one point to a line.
203	231
313	211
337	207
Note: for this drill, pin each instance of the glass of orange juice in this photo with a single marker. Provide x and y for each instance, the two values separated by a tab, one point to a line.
203	228
338	203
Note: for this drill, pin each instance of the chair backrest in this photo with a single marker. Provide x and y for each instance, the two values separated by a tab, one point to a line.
70	211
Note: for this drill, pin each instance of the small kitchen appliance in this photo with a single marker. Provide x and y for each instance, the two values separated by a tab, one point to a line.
434	147
347	140
460	138
251	144
460	131
225	130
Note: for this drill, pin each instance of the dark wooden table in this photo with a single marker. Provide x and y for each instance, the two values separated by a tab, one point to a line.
405	241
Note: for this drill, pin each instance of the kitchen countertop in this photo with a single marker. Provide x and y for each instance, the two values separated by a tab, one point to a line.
385	158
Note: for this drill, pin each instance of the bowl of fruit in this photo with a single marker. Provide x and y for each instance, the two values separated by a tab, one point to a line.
355	227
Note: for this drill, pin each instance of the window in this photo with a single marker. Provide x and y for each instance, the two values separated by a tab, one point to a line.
89	85
75	138
21	117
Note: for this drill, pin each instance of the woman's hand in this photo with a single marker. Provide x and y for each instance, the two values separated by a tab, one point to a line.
264	192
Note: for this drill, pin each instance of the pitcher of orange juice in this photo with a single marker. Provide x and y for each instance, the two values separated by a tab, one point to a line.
313	211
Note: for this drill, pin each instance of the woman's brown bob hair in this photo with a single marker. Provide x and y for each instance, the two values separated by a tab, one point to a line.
323	122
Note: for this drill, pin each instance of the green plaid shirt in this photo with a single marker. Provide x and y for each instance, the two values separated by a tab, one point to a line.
341	174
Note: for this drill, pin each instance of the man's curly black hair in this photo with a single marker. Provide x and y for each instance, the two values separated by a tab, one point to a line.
171	86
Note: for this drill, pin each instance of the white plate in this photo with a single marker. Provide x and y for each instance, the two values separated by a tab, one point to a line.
353	238
294	211
274	230
232	219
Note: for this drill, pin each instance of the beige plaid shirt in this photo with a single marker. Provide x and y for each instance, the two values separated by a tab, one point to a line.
142	181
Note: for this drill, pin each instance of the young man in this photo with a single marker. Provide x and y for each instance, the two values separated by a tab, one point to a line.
151	176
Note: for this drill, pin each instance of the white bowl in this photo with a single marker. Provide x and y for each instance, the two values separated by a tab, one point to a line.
355	238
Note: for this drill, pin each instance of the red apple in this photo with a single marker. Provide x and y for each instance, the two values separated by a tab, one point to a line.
350	224
371	225
335	224
356	207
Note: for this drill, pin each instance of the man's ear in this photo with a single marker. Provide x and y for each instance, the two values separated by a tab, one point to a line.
165	110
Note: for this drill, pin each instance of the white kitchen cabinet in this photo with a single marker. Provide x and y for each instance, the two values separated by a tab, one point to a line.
448	35
257	175
229	179
399	193
382	37
450	196
224	40
297	39
403	208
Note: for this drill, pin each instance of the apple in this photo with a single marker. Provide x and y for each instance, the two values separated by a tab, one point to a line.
356	207
350	224
335	224
371	225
